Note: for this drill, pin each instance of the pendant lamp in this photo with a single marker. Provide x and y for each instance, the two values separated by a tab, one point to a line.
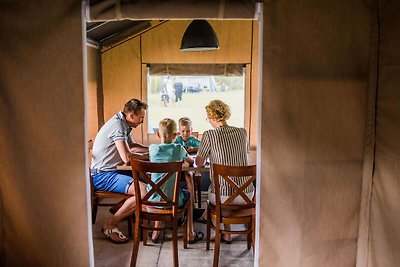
199	36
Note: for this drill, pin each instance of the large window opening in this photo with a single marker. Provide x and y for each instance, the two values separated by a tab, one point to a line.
181	94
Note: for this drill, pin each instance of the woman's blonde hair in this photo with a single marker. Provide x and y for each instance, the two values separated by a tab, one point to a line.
218	110
167	127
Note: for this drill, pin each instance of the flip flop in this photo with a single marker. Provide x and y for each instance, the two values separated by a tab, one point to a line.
156	240
115	235
228	242
198	237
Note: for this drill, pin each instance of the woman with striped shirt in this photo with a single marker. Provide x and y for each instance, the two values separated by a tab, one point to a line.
225	145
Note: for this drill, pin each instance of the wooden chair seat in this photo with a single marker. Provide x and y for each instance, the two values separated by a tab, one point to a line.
154	214
231	214
107	194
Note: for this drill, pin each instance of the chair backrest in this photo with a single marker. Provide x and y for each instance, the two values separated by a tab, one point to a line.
142	170
195	134
238	178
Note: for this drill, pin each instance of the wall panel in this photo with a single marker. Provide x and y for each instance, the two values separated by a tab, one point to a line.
254	111
161	45
92	85
122	78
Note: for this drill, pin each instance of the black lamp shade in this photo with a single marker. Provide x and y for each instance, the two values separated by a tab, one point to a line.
199	36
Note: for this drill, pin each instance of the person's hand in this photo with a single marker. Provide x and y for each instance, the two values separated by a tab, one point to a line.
190	149
140	156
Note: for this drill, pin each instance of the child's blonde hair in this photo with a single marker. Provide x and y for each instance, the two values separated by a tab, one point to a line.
185	121
167	127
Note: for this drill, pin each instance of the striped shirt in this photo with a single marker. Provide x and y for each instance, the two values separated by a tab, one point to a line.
226	145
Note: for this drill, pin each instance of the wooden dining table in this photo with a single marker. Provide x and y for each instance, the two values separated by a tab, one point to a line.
185	168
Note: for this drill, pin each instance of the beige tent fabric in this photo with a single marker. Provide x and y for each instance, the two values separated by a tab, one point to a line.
177	9
315	84
44	217
321	119
384	238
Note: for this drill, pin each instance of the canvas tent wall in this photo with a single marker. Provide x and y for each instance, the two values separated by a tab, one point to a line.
329	173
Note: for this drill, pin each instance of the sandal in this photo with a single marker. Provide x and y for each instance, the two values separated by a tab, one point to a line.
226	241
155	240
198	237
115	235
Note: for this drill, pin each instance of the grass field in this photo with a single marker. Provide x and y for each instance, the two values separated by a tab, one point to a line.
192	106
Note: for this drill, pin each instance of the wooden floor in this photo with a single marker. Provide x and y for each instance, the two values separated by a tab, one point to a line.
109	254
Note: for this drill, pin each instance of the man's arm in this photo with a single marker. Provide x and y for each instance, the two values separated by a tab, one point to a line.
126	152
137	148
139	151
123	150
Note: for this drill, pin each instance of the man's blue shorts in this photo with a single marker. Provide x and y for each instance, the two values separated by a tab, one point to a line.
112	181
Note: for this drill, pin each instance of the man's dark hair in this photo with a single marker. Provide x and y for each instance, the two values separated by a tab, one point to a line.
134	105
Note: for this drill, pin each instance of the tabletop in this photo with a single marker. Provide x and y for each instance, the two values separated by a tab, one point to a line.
206	168
185	168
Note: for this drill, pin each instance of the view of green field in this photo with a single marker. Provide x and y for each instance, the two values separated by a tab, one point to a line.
192	106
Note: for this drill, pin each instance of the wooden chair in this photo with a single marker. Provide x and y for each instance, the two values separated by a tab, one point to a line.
166	210
227	213
98	195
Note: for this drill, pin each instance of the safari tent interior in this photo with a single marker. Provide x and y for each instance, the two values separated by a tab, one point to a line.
322	112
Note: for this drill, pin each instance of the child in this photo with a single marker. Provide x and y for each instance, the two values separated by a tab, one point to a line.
186	139
167	151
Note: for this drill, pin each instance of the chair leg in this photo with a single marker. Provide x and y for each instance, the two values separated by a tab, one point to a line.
129	219
249	236
217	243
208	228
136	240
185	235
175	242
253	231
198	185
95	204
144	231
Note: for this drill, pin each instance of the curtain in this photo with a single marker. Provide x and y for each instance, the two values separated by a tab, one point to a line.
196	69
